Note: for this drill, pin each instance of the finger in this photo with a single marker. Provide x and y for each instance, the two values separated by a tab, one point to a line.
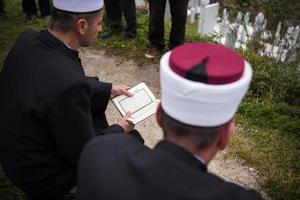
130	123
127	115
125	87
126	92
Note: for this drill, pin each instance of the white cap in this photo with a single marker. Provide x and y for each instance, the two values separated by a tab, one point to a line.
197	103
78	6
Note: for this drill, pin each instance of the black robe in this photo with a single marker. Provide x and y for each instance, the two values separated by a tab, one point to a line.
120	167
48	110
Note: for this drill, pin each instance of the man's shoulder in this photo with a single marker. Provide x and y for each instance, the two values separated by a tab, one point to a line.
27	35
240	192
233	191
111	147
119	140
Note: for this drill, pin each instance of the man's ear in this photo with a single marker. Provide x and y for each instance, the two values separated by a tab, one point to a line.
82	26
158	114
225	135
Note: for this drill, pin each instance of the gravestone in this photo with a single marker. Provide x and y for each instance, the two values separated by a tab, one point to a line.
208	16
167	11
289	32
193	8
247	18
238	34
277	35
295	35
280	50
225	16
139	3
263	31
231	37
258	25
224	23
291	54
242	37
239	18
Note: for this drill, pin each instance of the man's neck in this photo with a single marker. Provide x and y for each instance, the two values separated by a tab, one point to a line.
69	39
206	155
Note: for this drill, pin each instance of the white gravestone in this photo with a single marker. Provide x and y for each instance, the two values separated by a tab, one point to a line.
167	11
258	24
139	3
295	35
208	18
277	35
247	18
231	37
280	50
193	8
239	18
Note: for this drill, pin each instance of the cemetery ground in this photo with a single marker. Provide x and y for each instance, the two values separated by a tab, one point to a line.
265	150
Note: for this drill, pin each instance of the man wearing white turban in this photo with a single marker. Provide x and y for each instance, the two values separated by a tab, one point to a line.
49	108
201	88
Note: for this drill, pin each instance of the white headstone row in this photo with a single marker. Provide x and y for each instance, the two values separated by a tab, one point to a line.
239	33
140	3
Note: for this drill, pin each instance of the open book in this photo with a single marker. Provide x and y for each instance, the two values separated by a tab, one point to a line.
142	104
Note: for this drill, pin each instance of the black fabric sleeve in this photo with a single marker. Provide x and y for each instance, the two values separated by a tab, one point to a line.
134	133
115	128
70	121
100	94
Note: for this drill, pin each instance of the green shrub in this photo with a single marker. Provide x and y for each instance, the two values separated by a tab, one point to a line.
272	80
286	11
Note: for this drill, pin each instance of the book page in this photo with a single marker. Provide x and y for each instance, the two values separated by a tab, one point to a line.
137	102
141	105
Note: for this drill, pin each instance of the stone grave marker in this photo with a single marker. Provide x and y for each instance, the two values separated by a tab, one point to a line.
208	16
167	11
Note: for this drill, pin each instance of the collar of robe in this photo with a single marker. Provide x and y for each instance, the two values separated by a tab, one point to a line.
50	39
182	153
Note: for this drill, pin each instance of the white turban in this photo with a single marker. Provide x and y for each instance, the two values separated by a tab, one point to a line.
200	104
78	6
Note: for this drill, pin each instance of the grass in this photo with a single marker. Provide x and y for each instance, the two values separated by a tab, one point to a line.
267	137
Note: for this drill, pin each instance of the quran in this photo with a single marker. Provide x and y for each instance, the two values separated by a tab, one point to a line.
141	105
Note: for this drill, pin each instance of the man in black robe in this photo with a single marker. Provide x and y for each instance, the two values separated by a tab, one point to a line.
49	108
201	88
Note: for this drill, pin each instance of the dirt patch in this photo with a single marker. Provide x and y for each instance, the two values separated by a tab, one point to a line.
119	70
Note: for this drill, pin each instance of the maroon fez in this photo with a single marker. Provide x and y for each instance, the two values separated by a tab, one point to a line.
207	63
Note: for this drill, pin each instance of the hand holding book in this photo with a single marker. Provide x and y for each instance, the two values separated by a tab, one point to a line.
141	105
125	123
119	90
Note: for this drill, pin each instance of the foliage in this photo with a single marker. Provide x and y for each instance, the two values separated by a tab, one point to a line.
287	11
8	190
273	152
272	80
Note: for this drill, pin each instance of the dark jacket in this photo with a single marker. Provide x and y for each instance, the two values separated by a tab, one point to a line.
120	167
48	110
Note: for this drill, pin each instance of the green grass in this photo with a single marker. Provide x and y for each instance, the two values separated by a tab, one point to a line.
8	191
274	153
12	25
267	137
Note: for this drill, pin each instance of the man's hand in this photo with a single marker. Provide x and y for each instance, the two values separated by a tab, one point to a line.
120	89
125	124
